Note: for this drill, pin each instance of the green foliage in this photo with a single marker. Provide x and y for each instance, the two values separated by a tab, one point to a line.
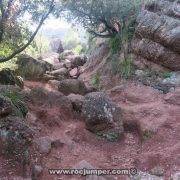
71	40
147	134
124	68
115	44
11	64
18	106
17	20
96	79
166	75
78	49
115	65
39	46
127	68
103	18
110	136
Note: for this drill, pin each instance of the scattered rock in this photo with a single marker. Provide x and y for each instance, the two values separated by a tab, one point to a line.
176	176
48	77
54	84
43	145
145	176
67	64
173	80
139	73
70	86
65	54
77	60
174	97
7	77
58	66
60	72
37	171
101	114
15	139
5	107
74	73
84	164
77	101
57	143
157	171
30	68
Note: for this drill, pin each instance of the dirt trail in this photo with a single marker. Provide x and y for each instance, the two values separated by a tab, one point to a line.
153	142
162	149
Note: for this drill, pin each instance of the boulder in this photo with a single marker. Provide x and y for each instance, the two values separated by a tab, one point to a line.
77	60
59	72
37	171
43	145
7	77
101	115
15	138
77	101
174	97
49	106
173	80
5	107
54	84
74	73
66	53
157	36
67	64
31	68
145	176
70	86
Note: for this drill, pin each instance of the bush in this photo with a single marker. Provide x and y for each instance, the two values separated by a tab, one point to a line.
18	106
115	44
96	80
124	68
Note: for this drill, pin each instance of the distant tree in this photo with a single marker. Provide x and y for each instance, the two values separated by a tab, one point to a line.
17	17
103	18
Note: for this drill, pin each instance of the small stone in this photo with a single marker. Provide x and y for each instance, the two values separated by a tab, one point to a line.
176	176
144	176
43	145
157	171
57	143
37	171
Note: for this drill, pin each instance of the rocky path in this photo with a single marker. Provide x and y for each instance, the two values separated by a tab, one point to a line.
150	142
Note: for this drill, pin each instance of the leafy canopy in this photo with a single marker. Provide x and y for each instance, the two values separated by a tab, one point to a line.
103	18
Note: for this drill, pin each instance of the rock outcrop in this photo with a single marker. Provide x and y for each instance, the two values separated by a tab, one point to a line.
157	37
7	77
31	68
70	86
101	114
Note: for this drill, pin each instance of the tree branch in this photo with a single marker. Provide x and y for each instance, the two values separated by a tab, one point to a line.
100	35
4	59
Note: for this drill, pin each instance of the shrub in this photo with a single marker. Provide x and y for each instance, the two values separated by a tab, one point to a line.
18	106
96	80
115	44
124	68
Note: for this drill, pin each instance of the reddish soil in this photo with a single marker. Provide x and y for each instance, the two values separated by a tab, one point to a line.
141	106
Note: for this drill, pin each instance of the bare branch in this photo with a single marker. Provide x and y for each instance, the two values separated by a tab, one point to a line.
31	38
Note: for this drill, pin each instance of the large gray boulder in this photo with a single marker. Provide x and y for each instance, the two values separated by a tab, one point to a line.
102	115
7	77
31	68
157	37
72	86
